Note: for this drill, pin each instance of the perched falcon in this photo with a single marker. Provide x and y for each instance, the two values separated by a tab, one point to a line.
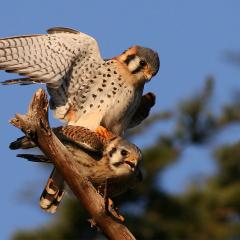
85	89
112	168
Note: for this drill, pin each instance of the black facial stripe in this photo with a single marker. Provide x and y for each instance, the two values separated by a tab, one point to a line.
129	58
138	69
113	150
117	164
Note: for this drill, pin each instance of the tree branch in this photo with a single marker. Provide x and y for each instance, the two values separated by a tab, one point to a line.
35	125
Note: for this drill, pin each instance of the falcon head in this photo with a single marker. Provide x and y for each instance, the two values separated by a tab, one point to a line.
123	156
142	62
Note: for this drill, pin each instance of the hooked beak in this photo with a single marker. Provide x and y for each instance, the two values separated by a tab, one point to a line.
132	165
148	74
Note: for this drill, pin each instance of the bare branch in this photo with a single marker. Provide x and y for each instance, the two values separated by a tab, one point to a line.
35	125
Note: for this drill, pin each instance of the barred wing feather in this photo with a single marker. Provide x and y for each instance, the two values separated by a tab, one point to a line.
48	57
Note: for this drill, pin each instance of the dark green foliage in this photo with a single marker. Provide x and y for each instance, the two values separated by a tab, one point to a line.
195	121
209	212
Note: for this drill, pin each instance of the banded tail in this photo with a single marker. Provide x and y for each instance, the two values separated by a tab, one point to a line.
22	143
53	192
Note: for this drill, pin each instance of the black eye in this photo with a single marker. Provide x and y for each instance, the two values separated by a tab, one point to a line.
124	152
142	63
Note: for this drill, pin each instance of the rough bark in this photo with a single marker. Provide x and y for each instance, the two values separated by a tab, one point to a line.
35	125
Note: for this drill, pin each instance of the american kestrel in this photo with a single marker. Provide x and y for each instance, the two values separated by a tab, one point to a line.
85	89
114	168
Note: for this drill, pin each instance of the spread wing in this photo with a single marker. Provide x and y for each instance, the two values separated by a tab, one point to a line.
48	57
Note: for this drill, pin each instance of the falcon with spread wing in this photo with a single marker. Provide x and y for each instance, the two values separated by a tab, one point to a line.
85	89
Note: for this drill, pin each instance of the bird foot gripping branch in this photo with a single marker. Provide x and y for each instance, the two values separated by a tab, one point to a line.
36	126
109	207
113	210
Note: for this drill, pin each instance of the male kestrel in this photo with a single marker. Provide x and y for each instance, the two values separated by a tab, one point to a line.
85	89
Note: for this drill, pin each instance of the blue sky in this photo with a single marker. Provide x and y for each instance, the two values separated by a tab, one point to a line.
191	38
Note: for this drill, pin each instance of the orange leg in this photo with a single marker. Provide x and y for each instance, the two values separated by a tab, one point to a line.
103	132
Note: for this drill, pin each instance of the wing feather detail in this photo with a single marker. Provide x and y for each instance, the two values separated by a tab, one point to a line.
48	57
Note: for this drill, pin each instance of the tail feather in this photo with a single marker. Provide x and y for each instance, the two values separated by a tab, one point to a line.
21	81
53	192
22	143
35	158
